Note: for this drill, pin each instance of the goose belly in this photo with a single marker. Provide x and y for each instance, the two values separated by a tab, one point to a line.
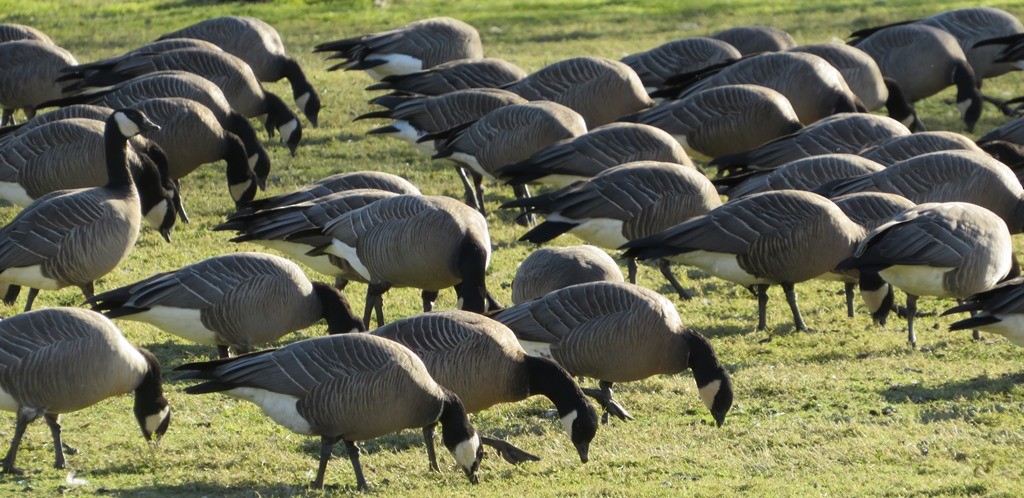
1008	326
182	322
409	133
30	276
281	408
722	265
918	280
602	232
393	64
690	151
561	181
7	402
15	193
472	163
296	251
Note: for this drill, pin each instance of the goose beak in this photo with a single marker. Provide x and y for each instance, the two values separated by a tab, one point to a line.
719	418
166	233
148	125
584	450
472	476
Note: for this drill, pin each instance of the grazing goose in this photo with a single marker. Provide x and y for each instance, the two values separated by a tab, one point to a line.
61	360
350	388
231	74
924	61
723	120
184	85
14	32
808	173
814	87
947	176
617	332
191	130
278	228
333	184
237	301
687	55
551	268
430	243
564	163
505	136
948	249
997	310
414	47
28	69
906	147
451	76
260	46
73	237
416	117
780	237
755	39
839	134
869	210
481	361
865	79
624	203
601	90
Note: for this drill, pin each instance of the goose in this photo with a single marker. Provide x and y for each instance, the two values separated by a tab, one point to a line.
430	243
840	134
236	301
780	237
906	147
865	79
416	117
185	85
677	57
14	32
723	120
73	153
192	131
808	173
947	176
996	310
333	184
61	360
78	72
924	61
1012	132
445	78
564	163
83	111
814	87
73	237
348	387
482	363
947	249
551	268
260	46
505	136
231	74
624	203
755	39
28	69
618	332
601	90
413	47
279	228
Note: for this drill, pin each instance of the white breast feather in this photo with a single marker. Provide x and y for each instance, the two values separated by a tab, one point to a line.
279	407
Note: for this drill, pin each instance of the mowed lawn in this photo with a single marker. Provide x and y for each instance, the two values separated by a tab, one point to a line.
844	409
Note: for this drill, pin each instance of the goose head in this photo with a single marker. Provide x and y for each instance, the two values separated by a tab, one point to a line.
713	382
460	437
152	411
131	122
968	96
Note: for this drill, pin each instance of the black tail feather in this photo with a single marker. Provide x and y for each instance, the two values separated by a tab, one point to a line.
546	231
974	322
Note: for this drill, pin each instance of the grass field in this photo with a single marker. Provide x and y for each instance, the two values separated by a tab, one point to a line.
844	409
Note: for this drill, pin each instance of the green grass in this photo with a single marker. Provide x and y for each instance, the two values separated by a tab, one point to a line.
845	409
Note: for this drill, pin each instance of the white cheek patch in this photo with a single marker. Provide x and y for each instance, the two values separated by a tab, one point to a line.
287	129
567	422
708	393
465	452
238	189
460	303
153	421
873	298
962	106
302	101
127	127
252	160
909	121
156	214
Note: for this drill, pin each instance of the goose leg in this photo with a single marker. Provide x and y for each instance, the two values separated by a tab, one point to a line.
32	293
798	320
478	184
21	422
666	271
526	218
508	451
59	446
326	444
353	455
428	300
761	290
428	440
340	283
603	396
223	352
88	290
631	269
850	286
12	294
911	313
470	195
375	301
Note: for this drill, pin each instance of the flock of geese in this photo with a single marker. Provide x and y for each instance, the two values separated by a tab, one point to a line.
817	188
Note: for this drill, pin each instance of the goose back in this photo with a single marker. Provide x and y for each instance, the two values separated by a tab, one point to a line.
687	55
807	174
920	58
337	183
14	32
871	209
755	39
906	147
248	38
29	70
551	268
972	25
860	71
452	76
83	111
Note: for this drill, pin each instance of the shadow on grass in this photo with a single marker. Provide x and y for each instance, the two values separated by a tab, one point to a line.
235	489
950	391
